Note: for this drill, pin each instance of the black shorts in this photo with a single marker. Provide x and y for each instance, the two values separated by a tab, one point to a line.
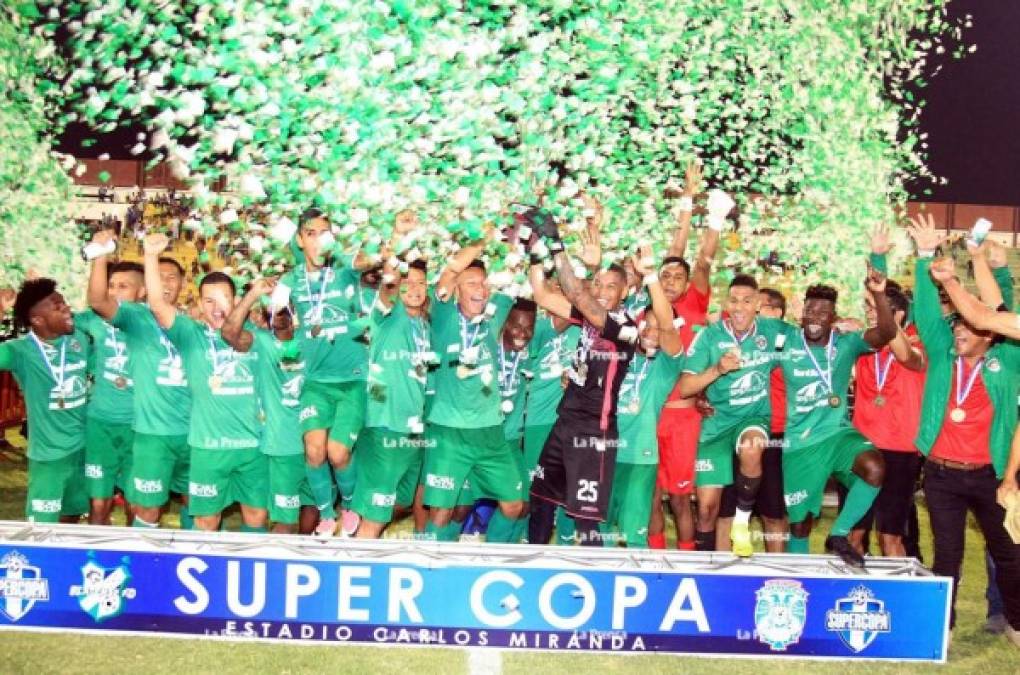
769	503
891	507
575	469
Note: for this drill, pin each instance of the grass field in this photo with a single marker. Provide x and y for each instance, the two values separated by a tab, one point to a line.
972	651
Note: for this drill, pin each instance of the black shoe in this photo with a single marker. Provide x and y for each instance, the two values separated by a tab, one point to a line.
841	547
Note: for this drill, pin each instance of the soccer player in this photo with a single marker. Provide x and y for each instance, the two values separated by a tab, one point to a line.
391	449
465	422
110	412
279	373
889	385
577	464
967	424
160	456
649	380
730	360
515	372
688	291
50	366
336	365
226	464
817	364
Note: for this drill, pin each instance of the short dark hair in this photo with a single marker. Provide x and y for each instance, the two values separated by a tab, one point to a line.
166	260
217	278
124	266
311	213
420	264
618	269
524	305
775	298
32	292
897	299
478	265
676	260
822	292
745	280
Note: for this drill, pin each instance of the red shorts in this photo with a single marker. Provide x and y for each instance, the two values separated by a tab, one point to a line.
678	431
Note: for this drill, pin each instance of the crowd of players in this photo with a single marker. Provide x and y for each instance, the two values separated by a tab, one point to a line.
352	392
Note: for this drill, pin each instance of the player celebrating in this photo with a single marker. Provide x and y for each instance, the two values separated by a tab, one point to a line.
49	365
226	464
576	466
820	442
160	456
649	380
730	360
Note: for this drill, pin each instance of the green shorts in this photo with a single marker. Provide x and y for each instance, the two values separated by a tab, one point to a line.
534	440
220	478
714	465
454	454
159	466
107	456
807	468
288	488
56	488
389	463
337	406
630	507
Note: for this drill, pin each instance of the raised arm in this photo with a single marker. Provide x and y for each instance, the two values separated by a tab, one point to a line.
719	206
692	186
934	331
669	338
554	303
233	330
975	312
984	277
99	297
464	257
909	356
153	246
885	328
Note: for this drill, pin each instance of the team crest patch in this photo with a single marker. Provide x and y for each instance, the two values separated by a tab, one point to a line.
103	592
858	619
780	613
21	586
761	342
993	365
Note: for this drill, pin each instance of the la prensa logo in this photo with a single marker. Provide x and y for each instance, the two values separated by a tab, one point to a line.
103	592
858	619
780	613
21	586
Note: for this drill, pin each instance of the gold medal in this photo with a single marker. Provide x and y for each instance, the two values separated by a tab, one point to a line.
60	402
958	415
834	401
316	329
120	382
879	401
508	407
215	382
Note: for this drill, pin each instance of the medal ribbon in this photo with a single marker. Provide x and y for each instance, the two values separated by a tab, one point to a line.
63	361
211	334
635	392
740	340
826	375
961	397
320	297
508	377
882	372
465	341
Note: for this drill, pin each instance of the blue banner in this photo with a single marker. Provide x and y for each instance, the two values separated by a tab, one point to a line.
507	606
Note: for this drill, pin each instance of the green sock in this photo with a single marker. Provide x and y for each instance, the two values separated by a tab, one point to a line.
797	545
345	478
187	522
452	531
320	481
249	528
565	528
501	529
520	530
139	523
858	500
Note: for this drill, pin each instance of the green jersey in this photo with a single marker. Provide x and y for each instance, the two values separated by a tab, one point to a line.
742	394
645	388
112	396
53	376
467	392
636	302
817	379
278	378
552	354
225	412
515	371
162	401
333	342
398	371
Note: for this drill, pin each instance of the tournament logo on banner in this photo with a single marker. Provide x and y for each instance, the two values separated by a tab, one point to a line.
103	592
21	586
858	619
780	613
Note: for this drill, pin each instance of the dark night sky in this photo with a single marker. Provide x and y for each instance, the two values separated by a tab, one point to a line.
972	116
973	112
